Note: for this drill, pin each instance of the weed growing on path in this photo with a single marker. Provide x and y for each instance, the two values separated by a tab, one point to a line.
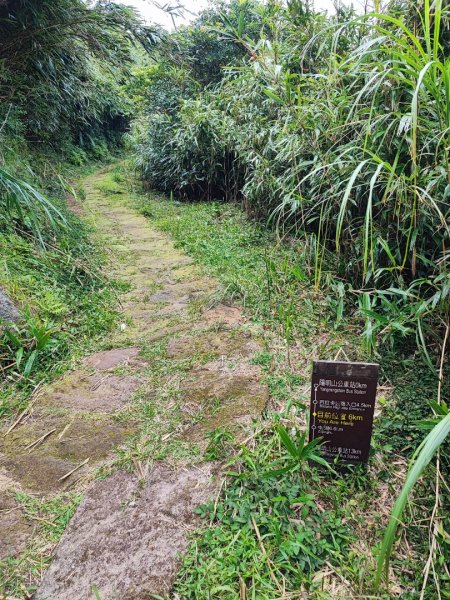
49	519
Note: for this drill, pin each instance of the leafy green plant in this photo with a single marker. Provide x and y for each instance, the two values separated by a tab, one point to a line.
24	343
299	453
32	210
262	538
439	411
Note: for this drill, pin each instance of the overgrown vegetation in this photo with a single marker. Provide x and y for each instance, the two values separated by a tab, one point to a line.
333	129
332	133
226	559
61	106
64	302
62	62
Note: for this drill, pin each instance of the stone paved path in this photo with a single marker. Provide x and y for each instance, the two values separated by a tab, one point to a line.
127	535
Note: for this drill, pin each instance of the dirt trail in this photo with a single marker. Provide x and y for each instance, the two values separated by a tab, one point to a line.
126	537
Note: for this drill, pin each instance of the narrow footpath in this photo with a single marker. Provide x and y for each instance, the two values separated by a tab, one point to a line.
129	427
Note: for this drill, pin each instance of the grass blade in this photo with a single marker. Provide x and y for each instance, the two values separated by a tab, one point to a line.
424	454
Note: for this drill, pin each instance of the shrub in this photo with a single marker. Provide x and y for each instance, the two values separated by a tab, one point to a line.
338	131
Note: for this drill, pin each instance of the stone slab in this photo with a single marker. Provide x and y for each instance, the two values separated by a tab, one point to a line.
214	343
126	538
98	392
8	312
109	359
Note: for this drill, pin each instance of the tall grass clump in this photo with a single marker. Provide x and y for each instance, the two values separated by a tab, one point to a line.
386	196
24	207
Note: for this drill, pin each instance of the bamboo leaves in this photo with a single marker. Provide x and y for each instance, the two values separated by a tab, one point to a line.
299	453
422	457
18	199
351	153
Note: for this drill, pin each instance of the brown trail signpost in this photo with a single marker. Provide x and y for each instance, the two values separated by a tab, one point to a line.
342	407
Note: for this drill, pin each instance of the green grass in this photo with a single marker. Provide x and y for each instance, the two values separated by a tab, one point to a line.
284	517
157	409
49	519
249	263
326	544
64	300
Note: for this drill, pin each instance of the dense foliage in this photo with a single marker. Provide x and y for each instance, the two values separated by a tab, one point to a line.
62	65
336	128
